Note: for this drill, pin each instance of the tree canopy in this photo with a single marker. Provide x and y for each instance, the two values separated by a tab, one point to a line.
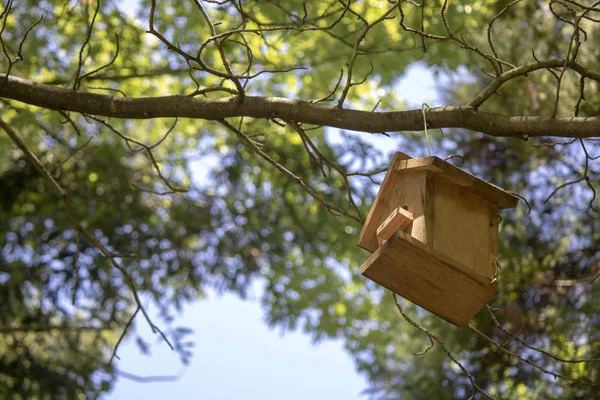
146	158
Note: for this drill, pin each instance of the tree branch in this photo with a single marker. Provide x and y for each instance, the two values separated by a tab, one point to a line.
498	125
523	70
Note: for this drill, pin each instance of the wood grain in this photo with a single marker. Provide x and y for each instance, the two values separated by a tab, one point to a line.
429	278
461	227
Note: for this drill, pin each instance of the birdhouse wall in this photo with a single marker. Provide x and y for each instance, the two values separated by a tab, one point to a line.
465	226
410	192
445	260
446	217
453	212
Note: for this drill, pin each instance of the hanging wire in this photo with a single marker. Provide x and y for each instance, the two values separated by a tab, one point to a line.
498	269
423	107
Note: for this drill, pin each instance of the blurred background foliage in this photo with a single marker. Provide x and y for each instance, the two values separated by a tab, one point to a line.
244	224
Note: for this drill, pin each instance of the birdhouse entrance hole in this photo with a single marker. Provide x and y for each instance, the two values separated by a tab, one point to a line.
433	232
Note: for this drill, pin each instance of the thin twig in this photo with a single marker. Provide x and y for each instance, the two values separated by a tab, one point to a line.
83	46
330	206
114	354
62	194
436	339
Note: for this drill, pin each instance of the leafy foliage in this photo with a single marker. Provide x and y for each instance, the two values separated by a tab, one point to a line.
185	204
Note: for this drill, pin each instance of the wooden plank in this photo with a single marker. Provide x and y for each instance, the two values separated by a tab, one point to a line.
461	226
399	219
462	178
429	278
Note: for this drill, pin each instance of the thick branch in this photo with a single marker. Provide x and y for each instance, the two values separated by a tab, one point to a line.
295	110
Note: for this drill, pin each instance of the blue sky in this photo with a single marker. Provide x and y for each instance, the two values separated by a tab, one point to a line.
236	355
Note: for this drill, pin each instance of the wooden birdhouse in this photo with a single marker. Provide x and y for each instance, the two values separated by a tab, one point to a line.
433	232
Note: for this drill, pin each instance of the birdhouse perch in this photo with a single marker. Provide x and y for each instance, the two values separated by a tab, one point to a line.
433	232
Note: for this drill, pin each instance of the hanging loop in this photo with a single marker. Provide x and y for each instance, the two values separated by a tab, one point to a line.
423	107
498	269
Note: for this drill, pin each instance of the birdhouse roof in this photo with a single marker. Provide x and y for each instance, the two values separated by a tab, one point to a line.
404	164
